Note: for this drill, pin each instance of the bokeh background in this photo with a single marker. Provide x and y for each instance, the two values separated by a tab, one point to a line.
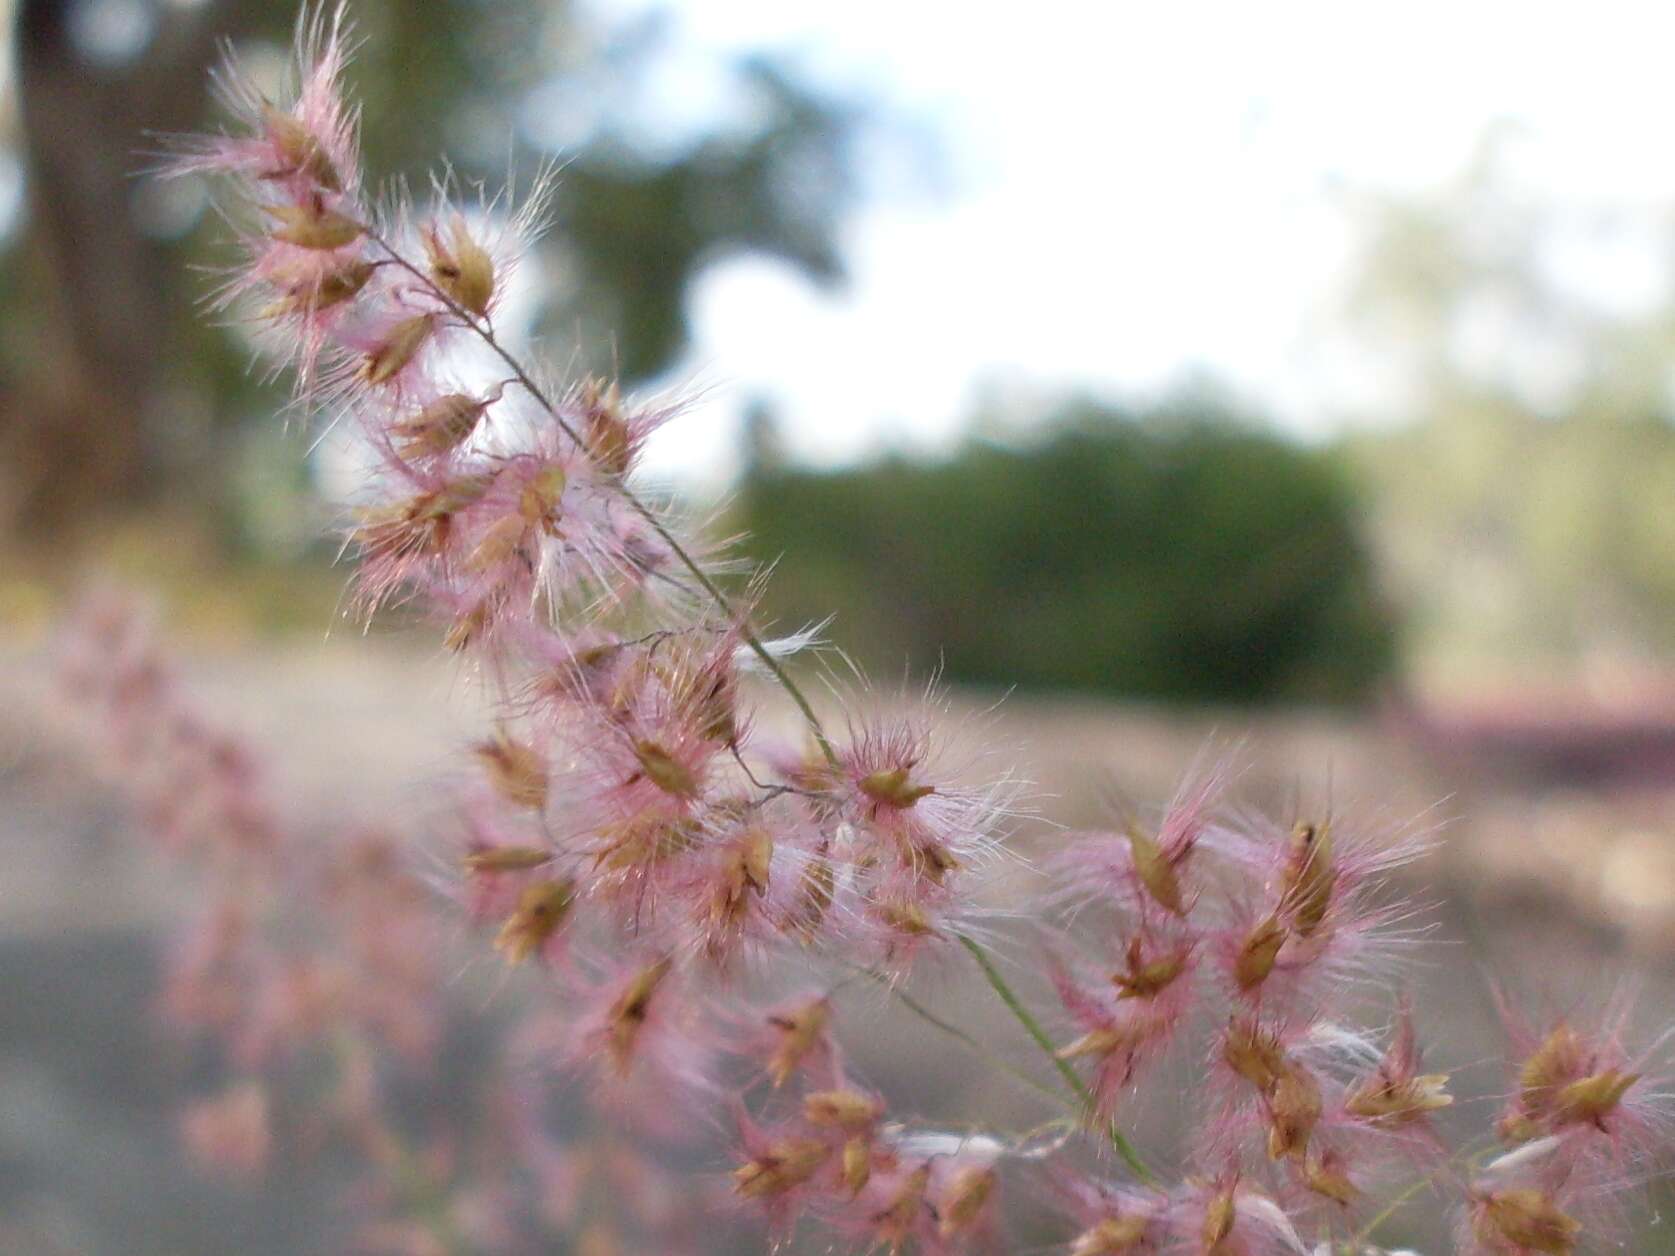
1299	373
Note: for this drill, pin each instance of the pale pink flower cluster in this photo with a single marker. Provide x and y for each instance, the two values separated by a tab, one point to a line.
312	976
674	870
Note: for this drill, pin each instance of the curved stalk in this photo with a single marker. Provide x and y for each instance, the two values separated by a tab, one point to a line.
997	982
966	1038
1073	1079
1471	1158
485	333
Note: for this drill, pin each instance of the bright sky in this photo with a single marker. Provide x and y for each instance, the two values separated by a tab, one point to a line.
1137	190
1124	193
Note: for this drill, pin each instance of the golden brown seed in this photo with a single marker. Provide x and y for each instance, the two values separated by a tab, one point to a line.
507	859
814	898
1096	1042
441	426
1145	978
423	523
892	787
665	771
962	1201
1219	1214
403	343
786	1165
712	699
749	864
857	1164
1560	1058
901	1215
539	501
503	541
1310	877
515	770
468	628
1156	873
1294	1106
1111	1237
1589	1100
299	149
308	295
643	840
461	267
1529	1221
1399	1101
903	917
313	226
842	1109
1327	1179
799	1033
934	861
629	1011
452	497
609	442
757	858
1259	953
541	910
1253	1054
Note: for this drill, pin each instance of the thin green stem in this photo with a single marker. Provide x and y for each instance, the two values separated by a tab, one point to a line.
1026	1018
1470	1156
1366	1232
1073	1079
1007	996
964	1037
485	333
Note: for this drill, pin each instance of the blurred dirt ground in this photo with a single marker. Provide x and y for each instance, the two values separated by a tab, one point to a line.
1548	886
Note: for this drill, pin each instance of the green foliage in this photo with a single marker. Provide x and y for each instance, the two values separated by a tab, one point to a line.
1171	555
641	231
635	220
1521	504
1521	538
104	298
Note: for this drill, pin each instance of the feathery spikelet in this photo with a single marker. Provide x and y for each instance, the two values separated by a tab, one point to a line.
632	830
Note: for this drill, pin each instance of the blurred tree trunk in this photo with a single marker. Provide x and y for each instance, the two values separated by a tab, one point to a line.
75	426
105	404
